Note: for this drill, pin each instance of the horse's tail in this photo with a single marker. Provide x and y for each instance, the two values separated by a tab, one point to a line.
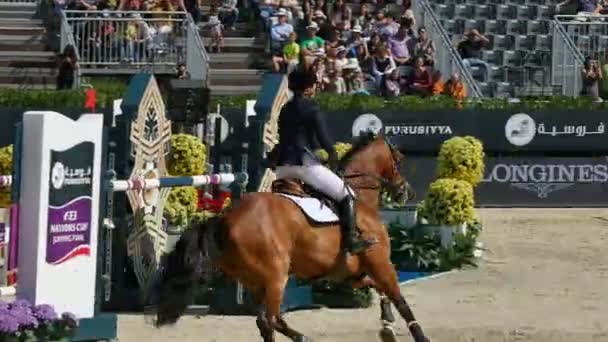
181	275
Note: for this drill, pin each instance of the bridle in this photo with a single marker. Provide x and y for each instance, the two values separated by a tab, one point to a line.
383	183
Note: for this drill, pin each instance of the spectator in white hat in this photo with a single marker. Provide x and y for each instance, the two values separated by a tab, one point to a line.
356	40
280	32
341	59
312	46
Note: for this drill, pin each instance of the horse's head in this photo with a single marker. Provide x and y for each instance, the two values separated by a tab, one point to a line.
377	157
392	165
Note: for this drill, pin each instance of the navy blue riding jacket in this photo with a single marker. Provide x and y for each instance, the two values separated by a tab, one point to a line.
302	130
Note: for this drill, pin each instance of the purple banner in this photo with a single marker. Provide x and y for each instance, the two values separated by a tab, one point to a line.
69	231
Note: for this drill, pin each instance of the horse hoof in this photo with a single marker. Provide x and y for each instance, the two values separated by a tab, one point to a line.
302	338
387	334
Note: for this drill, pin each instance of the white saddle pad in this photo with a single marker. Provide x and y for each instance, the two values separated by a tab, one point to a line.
314	209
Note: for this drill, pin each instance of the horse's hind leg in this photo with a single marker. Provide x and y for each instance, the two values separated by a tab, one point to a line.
385	277
270	318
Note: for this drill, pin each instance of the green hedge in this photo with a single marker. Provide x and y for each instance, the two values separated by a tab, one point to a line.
110	89
330	102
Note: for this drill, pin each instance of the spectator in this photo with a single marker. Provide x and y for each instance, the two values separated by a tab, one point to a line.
409	18
390	26
132	36
455	88
291	55
583	7
382	65
355	40
313	46
470	51
365	19
374	43
326	30
393	87
358	83
399	45
217	30
68	65
318	68
335	84
341	16
280	33
420	81
341	59
193	7
182	73
229	13
592	74
424	47
438	86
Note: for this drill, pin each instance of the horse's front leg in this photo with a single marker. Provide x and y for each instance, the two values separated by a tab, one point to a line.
387	319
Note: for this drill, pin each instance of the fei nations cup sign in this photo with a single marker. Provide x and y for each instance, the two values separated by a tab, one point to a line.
59	210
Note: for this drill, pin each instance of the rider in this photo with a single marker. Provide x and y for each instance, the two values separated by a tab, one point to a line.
302	129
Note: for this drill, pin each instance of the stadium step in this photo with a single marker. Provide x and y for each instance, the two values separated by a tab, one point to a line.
221	90
20	22
14	46
20	30
17	14
235	77
229	60
17	6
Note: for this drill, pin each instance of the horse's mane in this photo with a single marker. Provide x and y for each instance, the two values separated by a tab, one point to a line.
359	143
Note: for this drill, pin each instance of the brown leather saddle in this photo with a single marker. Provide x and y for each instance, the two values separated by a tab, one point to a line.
296	187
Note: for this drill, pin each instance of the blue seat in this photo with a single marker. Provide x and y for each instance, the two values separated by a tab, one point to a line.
516	27
505	12
484	12
496	74
463	12
526	12
504	89
444	11
492	56
545	12
544	42
512	58
501	42
525	43
495	27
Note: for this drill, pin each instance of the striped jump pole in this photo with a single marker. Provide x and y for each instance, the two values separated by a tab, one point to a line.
6	181
141	183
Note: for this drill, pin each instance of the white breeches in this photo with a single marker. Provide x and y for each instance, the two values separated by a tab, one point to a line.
318	177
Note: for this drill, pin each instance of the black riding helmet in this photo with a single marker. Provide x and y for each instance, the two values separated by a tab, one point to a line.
299	81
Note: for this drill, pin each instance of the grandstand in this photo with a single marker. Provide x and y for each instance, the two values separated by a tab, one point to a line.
519	52
530	50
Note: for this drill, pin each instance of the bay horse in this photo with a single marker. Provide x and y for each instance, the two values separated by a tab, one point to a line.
266	237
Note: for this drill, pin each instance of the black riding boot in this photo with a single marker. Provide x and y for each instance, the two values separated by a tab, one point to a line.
348	219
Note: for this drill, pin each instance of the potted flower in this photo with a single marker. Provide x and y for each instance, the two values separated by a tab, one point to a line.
461	158
449	206
188	157
20	321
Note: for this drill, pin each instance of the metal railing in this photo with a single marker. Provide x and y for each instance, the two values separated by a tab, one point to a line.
127	41
66	37
447	59
567	59
197	59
